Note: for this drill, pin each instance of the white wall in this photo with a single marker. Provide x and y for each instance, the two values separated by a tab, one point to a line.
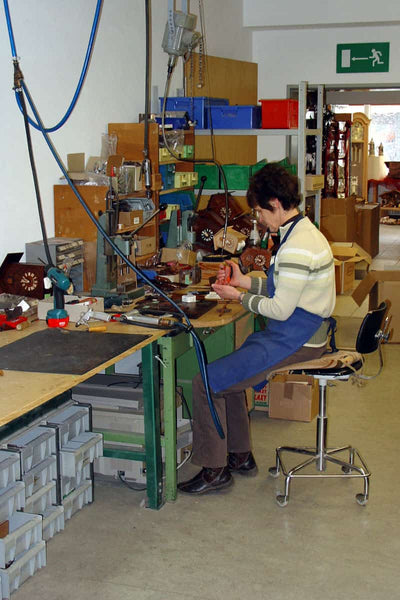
288	56
51	38
269	13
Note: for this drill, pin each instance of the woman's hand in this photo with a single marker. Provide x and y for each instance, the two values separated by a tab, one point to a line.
226	292
237	279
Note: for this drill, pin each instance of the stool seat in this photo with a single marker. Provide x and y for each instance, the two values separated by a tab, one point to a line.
340	365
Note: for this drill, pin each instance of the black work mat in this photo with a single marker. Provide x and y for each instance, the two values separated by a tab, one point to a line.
64	351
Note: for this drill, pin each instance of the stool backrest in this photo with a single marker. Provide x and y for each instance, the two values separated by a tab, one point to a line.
369	338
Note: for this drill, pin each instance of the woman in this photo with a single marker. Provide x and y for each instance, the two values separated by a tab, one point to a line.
297	298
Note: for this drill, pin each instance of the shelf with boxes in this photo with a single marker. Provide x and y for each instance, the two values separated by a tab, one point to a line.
286	117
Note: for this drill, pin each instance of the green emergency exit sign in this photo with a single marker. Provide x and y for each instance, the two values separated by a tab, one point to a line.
362	58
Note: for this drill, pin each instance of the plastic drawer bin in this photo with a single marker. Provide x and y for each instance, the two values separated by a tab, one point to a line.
35	445
23	568
42	499
237	176
279	114
77	499
40	475
167	175
80	451
53	522
10	469
212	174
235	117
68	484
12	498
72	421
25	531
198	108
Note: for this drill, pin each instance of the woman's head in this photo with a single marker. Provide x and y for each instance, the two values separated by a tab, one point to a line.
273	182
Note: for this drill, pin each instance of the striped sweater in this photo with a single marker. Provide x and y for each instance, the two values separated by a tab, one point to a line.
304	277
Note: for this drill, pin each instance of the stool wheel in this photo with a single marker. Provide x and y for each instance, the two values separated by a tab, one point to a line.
361	499
282	500
273	471
346	470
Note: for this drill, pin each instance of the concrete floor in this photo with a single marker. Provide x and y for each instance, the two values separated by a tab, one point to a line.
239	543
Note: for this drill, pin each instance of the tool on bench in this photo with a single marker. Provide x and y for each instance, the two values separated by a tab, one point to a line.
58	316
92	314
9	322
135	318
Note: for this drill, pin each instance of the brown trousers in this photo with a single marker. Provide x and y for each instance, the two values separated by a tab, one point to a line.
209	450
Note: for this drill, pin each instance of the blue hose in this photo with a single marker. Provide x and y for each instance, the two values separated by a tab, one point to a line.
83	73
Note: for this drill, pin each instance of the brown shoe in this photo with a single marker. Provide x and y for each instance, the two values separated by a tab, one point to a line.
207	480
243	463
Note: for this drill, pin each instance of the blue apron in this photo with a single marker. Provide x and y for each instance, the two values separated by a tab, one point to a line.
264	349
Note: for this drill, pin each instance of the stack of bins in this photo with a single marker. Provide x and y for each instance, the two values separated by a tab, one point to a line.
118	411
79	447
22	549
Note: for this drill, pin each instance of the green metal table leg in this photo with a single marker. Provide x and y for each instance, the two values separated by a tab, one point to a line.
169	379
152	426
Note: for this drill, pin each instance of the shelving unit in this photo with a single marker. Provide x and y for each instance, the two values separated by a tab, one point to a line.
301	134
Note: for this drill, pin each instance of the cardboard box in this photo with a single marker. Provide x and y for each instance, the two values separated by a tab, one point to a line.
380	286
315	182
181	255
74	310
348	256
234	240
130	220
367	227
338	219
78	170
293	397
145	245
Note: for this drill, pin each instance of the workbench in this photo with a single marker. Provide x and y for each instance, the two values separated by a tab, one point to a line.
21	391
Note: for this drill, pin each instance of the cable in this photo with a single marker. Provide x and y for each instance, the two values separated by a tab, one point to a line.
83	72
33	169
135	488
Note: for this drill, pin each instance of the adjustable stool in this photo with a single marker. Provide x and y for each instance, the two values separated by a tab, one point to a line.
341	366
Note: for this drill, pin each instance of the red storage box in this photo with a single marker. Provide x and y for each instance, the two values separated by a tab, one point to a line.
279	114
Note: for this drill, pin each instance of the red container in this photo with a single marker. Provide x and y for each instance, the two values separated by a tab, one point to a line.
279	114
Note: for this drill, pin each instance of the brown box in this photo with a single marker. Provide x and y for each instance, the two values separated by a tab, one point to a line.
293	397
314	182
338	219
129	220
367	227
380	286
234	240
347	257
181	255
145	245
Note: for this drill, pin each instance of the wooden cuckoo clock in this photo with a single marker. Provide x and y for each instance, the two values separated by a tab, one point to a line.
21	279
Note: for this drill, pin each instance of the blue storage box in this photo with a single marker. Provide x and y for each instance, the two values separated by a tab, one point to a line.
236	117
167	175
198	108
185	199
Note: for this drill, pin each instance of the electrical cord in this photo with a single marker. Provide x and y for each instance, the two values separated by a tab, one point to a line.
131	486
83	72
